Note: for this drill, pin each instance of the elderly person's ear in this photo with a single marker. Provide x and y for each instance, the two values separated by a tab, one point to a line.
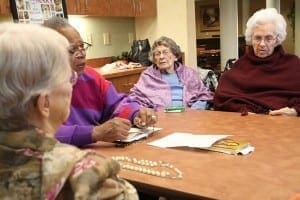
43	105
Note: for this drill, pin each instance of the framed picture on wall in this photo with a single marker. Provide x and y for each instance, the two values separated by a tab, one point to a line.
36	11
209	18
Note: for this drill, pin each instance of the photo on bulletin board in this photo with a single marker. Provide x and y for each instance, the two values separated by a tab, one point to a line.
37	11
209	18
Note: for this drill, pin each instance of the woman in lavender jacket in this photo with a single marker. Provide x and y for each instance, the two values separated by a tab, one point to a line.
169	83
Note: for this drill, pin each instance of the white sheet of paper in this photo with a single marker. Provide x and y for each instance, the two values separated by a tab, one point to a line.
179	139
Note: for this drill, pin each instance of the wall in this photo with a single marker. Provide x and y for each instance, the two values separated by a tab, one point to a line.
175	19
118	29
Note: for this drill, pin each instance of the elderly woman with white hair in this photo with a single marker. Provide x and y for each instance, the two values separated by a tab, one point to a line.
266	79
168	82
36	88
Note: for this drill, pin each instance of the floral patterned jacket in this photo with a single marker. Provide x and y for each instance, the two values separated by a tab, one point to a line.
34	166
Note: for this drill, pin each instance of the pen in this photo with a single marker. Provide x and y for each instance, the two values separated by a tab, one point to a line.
155	108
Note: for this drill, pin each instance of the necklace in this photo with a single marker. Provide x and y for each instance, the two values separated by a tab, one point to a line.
149	167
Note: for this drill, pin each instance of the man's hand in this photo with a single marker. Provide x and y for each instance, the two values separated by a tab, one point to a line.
284	111
112	130
145	117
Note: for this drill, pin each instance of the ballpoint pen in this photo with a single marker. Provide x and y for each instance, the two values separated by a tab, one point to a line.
155	108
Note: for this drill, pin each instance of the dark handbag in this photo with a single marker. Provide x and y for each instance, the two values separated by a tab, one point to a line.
140	52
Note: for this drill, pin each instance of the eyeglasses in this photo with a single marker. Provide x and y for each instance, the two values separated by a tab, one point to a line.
159	53
268	39
79	47
73	78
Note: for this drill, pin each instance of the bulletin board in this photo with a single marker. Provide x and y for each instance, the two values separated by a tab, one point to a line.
36	11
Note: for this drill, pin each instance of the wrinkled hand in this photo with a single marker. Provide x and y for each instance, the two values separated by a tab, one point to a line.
145	117
284	111
112	130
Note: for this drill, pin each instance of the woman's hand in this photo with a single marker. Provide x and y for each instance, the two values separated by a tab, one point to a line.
145	117
284	111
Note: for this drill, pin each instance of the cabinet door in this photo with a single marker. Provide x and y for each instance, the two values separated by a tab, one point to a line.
4	7
122	8
96	7
73	7
123	84
145	8
88	7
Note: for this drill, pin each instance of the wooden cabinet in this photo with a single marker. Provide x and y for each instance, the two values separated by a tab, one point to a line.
4	7
122	8
109	8
123	80
112	8
96	7
145	8
87	7
73	7
123	84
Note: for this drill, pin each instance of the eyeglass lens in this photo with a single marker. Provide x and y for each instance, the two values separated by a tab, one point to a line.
159	53
266	39
79	47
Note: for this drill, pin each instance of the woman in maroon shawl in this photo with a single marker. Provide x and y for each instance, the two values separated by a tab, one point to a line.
266	79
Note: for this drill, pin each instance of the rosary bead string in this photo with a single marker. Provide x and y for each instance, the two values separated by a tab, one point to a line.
149	167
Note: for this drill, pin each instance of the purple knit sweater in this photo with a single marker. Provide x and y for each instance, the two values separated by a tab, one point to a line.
94	101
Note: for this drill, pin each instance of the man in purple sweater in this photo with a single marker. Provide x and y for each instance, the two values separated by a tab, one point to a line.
266	79
98	111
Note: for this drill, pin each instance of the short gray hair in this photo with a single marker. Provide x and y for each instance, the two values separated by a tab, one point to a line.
264	16
167	42
56	23
33	59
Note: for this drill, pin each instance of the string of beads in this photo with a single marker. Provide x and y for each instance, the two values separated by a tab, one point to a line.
149	167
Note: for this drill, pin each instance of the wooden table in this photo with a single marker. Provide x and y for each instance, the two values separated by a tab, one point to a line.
272	171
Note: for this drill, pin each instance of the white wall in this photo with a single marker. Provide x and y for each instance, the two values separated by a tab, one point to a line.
118	29
175	19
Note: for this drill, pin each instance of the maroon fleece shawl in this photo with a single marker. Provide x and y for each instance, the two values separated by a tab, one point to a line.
260	84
